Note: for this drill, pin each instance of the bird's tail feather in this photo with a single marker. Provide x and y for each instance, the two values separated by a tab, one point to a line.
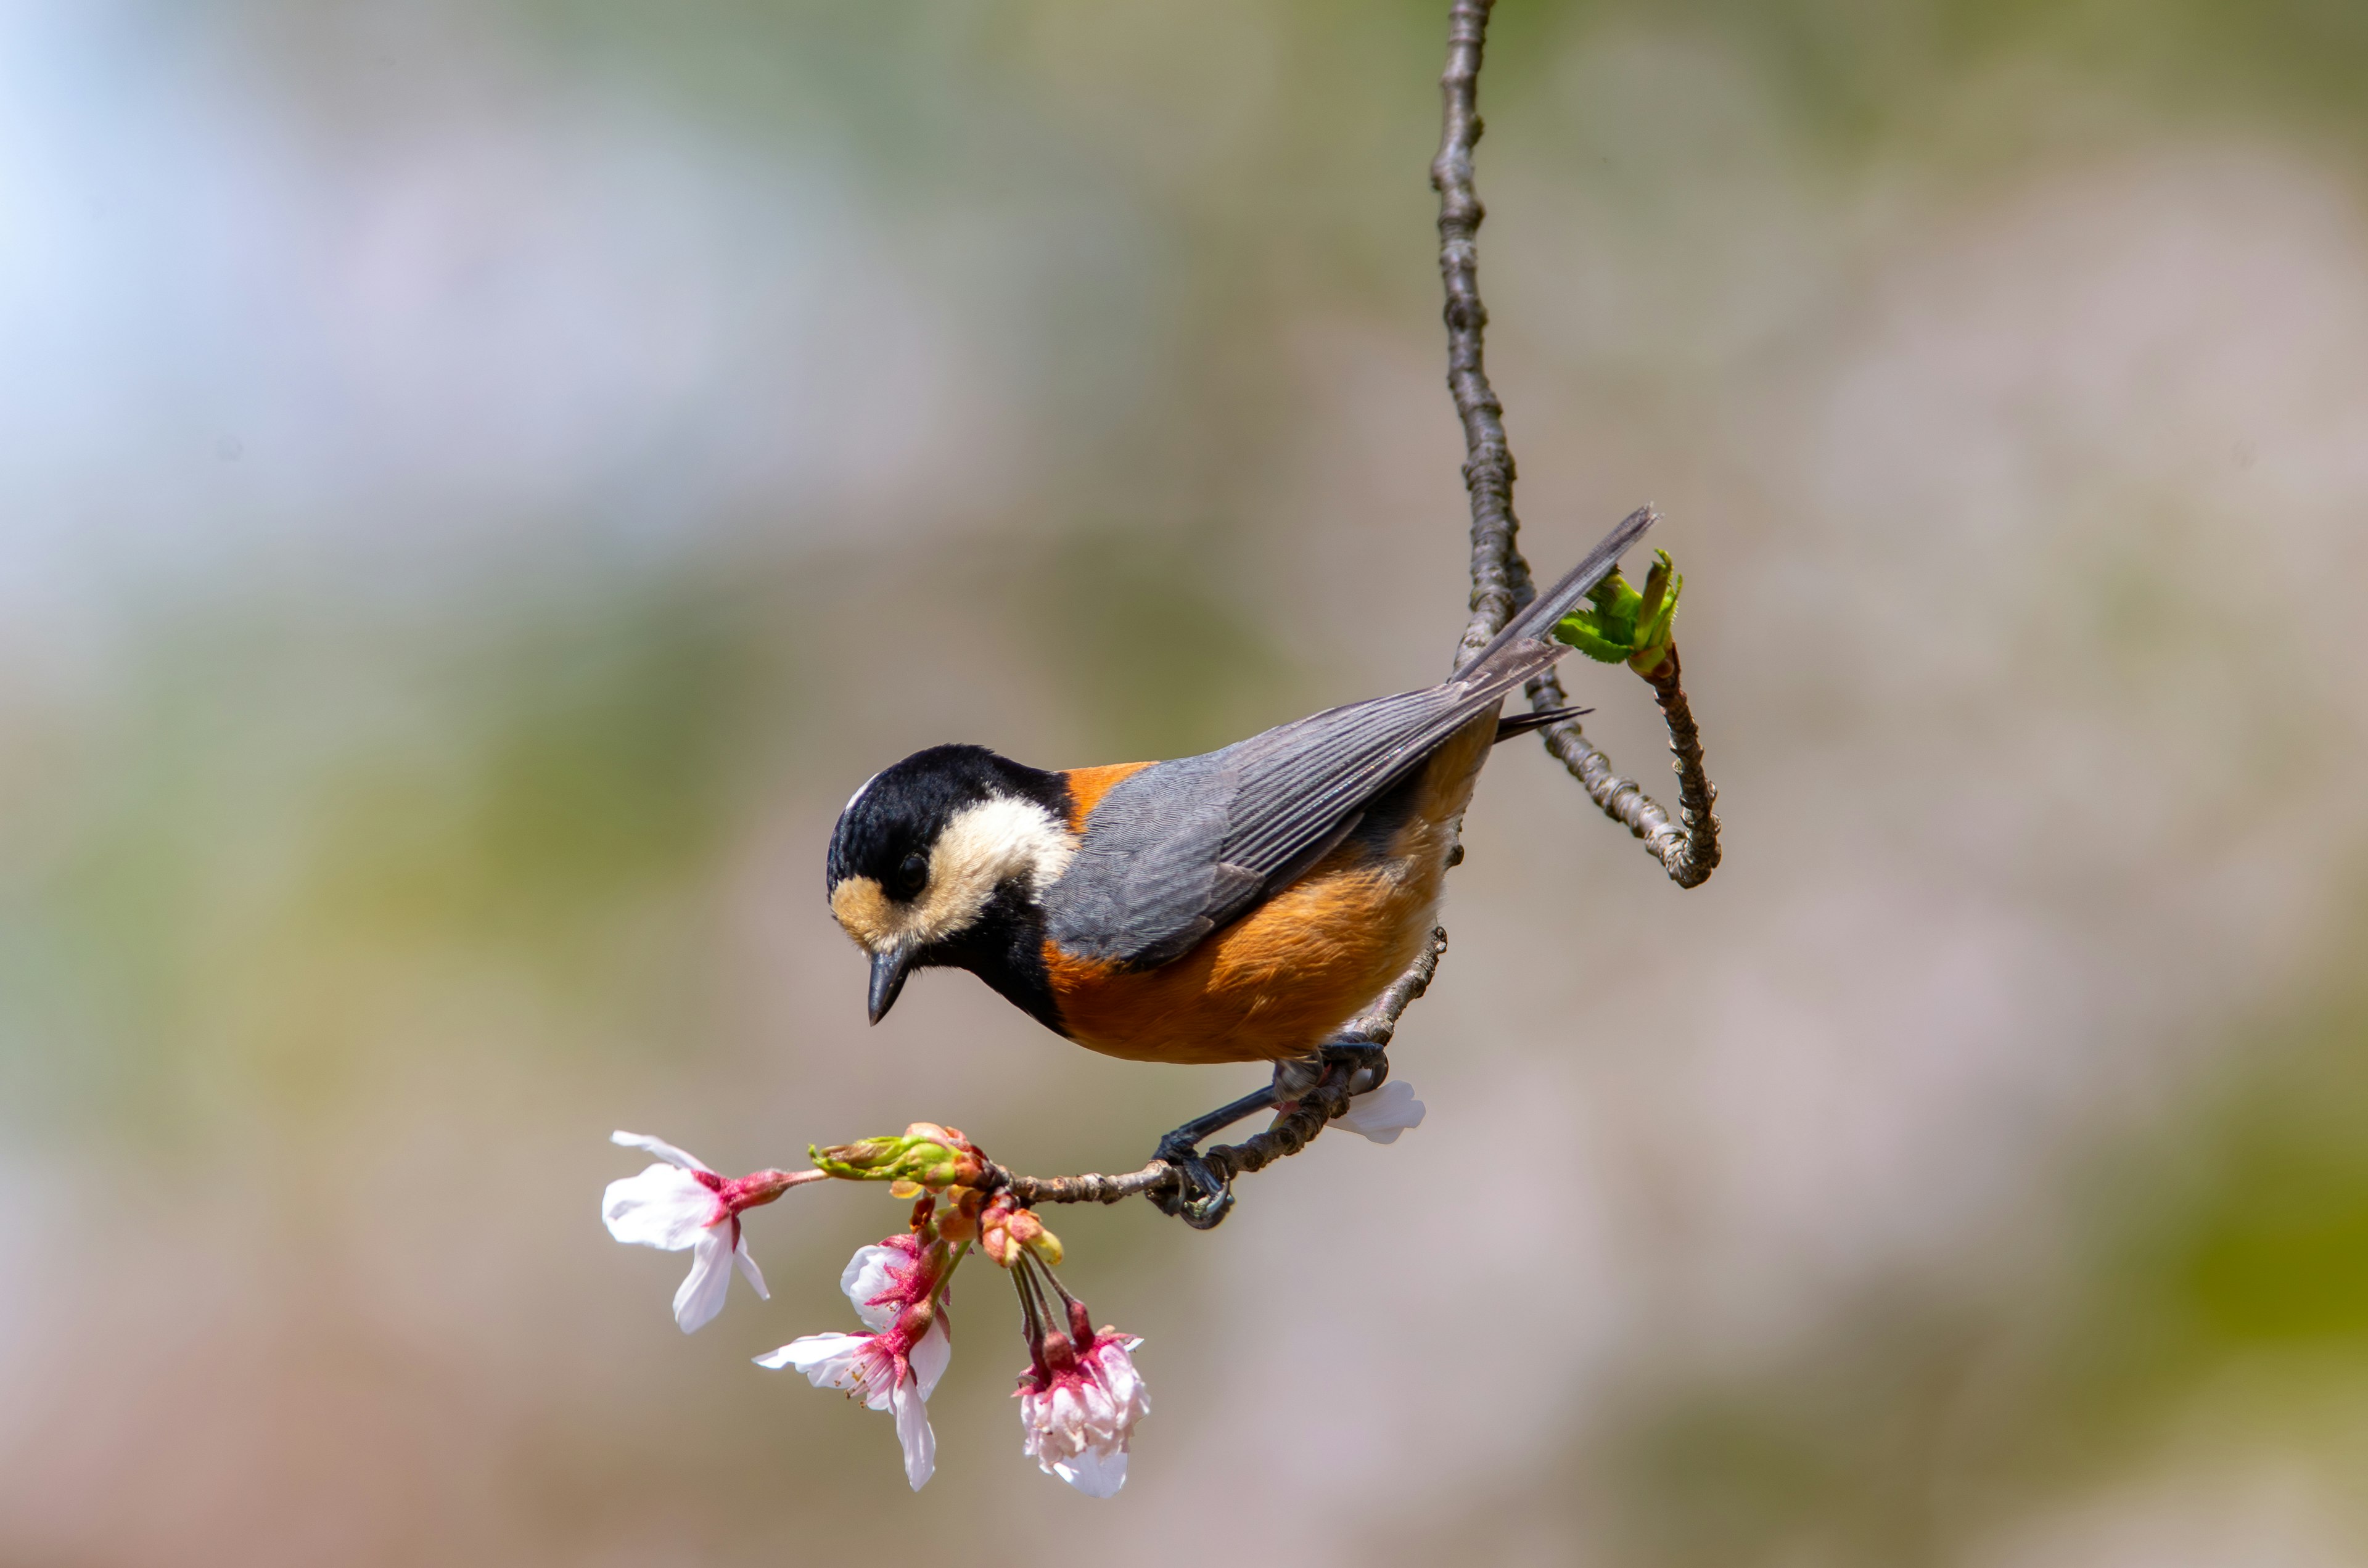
1513	724
1537	619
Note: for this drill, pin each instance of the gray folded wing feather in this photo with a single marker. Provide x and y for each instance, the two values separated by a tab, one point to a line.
1175	851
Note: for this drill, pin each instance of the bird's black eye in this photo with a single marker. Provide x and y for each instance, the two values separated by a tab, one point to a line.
912	875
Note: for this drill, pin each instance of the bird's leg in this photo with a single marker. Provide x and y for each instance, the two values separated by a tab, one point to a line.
1201	1200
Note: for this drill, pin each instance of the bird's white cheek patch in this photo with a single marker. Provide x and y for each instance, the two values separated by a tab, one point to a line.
983	847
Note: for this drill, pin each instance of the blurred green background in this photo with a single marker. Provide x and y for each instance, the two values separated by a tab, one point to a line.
480	482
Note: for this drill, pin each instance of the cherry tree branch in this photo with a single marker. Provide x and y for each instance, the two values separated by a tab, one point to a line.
1500	576
1292	1131
1687	848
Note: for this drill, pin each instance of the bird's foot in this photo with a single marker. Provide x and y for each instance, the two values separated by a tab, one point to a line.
1367	1062
1362	1064
1201	1199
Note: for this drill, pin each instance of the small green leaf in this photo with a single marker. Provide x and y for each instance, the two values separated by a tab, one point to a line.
1622	625
1576	631
1657	614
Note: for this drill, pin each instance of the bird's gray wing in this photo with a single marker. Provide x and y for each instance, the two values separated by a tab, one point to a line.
1175	851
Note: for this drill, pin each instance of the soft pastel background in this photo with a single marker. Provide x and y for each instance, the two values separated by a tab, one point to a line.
482	480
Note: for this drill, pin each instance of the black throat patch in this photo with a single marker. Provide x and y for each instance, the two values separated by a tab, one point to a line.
1005	948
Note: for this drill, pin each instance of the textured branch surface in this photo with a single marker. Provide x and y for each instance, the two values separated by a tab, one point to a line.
1501	584
1291	1131
1501	577
1501	574
1687	848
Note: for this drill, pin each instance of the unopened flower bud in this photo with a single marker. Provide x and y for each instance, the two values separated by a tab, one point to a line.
960	1222
926	1155
1005	1228
857	1160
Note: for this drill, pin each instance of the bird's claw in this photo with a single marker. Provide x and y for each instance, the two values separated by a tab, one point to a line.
1201	1200
1364	1064
1367	1063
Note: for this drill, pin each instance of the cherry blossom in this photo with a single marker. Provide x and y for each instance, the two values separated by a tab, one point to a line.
681	1203
894	1286
886	1371
1080	1403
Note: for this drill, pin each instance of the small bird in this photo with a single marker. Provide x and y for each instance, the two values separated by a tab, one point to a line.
1241	905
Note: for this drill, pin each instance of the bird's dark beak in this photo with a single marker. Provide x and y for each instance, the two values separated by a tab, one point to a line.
888	971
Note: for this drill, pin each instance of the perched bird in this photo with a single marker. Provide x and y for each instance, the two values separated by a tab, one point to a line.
1236	906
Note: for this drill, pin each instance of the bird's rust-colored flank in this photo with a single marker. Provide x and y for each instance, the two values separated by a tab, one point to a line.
1282	980
1088	785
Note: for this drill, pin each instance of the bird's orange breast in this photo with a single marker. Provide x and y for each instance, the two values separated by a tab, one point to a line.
1282	979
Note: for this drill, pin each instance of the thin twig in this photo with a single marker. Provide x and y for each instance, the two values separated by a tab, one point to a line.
1500	586
1688	849
1501	577
1378	1024
1153	1179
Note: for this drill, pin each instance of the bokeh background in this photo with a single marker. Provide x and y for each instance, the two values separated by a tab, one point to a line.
481	480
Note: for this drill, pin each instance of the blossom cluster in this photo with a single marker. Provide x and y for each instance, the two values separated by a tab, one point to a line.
1081	1395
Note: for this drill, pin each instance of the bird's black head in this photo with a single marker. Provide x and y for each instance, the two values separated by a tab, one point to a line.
927	851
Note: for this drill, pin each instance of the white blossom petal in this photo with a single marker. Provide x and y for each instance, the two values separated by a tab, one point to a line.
1066	1419
933	1355
1093	1472
1382	1114
701	1295
748	1266
1125	1384
867	1275
663	1207
852	1362
1032	1427
912	1433
829	1360
660	1147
